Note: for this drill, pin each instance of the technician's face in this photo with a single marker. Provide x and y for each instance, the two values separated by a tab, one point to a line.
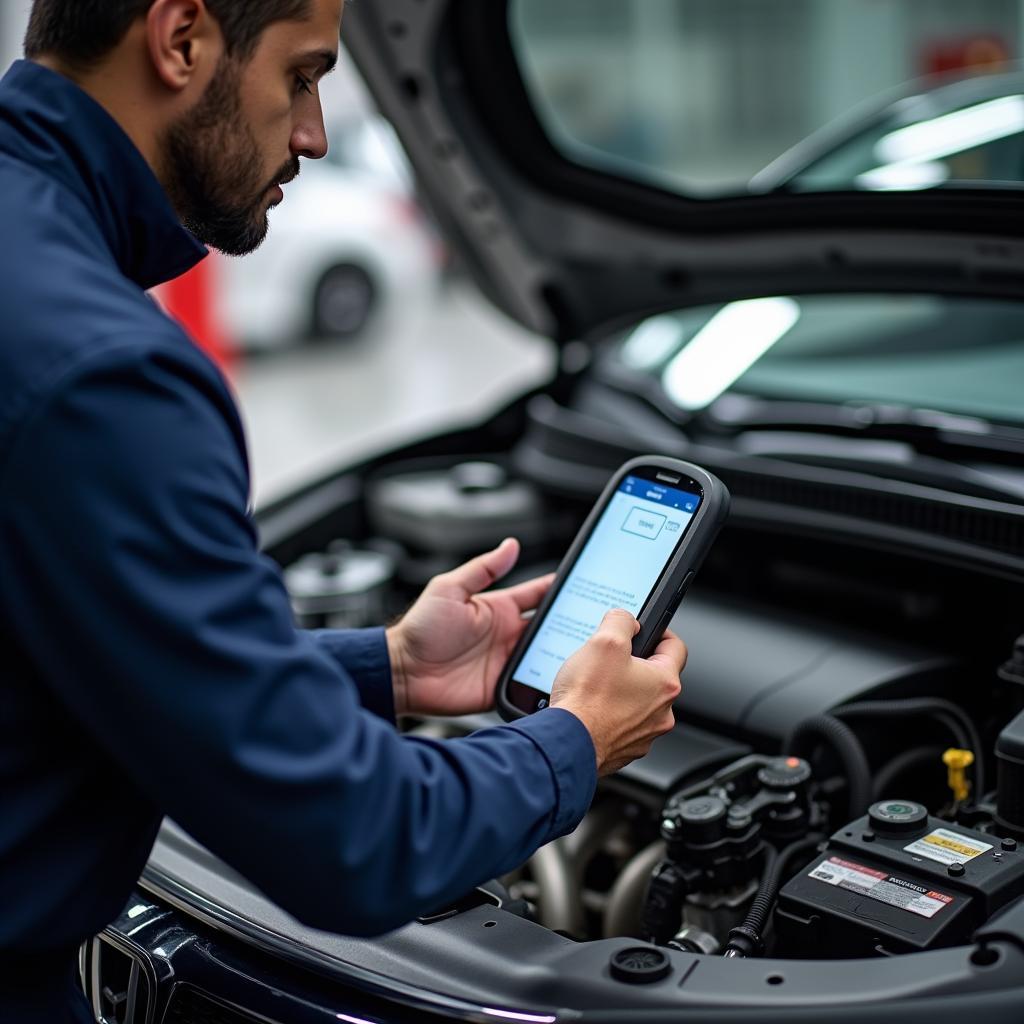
228	156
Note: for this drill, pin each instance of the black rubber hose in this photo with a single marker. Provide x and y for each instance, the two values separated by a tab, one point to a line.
746	939
905	762
842	740
953	717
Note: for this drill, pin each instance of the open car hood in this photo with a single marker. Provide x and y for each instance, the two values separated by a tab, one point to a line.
571	252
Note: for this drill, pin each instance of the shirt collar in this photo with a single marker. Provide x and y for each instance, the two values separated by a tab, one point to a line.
48	121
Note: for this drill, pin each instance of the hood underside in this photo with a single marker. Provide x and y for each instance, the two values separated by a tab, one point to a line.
572	252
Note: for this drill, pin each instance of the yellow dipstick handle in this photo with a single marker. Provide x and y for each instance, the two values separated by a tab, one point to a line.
956	761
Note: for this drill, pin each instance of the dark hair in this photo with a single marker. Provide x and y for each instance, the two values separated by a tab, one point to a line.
81	32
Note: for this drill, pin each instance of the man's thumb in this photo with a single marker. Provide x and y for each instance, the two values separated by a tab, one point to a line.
481	572
619	623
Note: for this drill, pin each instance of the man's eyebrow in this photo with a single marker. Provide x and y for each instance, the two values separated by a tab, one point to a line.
328	60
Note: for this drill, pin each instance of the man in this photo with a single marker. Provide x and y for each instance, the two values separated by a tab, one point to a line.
151	665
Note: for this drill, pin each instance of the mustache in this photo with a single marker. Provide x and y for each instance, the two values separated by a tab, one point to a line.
288	172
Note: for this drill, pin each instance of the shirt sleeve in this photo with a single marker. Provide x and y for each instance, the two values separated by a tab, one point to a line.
363	655
137	590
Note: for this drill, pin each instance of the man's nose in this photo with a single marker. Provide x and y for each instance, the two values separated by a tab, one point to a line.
309	139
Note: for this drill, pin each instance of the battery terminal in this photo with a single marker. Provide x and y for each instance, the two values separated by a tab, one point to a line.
957	762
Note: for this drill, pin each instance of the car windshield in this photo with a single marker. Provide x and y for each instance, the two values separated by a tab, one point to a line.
956	355
968	132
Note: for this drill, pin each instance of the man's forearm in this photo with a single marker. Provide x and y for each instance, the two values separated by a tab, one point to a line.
365	654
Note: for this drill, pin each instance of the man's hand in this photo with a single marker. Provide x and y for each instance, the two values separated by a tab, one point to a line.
624	702
449	648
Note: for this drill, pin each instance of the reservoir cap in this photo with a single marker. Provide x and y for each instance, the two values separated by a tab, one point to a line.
639	965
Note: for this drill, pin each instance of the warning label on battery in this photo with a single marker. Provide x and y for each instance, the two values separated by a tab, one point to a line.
948	847
881	886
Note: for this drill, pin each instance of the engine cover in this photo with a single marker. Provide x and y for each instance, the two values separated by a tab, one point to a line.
755	668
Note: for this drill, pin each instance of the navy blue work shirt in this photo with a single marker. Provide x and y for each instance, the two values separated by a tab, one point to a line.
150	661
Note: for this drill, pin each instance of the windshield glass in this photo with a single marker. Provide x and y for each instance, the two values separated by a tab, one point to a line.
969	133
954	355
712	97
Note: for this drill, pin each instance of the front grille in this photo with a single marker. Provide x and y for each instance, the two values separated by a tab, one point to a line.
190	1006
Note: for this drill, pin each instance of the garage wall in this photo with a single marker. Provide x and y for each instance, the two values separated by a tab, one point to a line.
13	19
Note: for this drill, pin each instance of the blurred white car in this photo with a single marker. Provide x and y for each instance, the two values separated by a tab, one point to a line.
347	242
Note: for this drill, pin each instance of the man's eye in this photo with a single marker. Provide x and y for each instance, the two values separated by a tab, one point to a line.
304	84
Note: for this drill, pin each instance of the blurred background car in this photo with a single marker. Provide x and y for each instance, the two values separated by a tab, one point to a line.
354	240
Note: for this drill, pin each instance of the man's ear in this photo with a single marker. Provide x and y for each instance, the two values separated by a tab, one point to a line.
183	38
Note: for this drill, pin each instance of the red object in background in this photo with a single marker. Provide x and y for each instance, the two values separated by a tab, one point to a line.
980	53
191	300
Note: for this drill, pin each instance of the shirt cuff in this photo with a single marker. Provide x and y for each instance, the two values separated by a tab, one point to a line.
363	654
569	751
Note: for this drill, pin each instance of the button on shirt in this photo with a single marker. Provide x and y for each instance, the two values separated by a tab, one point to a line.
150	661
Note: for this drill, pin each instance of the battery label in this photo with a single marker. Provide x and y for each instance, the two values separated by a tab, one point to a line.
881	886
947	847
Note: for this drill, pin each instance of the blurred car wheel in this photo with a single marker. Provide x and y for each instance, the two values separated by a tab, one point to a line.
343	302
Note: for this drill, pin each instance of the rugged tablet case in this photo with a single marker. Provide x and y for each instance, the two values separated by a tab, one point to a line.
672	585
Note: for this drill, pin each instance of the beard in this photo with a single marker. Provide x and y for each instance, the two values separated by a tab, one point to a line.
213	169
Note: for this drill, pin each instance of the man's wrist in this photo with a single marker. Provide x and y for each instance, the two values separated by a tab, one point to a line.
399	679
567	745
599	754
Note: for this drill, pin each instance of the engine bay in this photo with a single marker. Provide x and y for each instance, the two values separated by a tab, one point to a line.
826	793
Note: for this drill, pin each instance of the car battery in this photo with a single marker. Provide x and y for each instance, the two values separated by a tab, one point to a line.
897	881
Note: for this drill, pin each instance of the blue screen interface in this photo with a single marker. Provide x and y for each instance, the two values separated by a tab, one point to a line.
619	566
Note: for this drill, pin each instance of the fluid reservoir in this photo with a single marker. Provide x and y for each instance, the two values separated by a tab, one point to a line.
458	509
343	588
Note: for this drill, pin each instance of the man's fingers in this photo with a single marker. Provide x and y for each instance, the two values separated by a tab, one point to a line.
478	573
528	595
671	652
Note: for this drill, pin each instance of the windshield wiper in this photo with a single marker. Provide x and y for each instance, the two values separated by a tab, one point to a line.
932	449
927	430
